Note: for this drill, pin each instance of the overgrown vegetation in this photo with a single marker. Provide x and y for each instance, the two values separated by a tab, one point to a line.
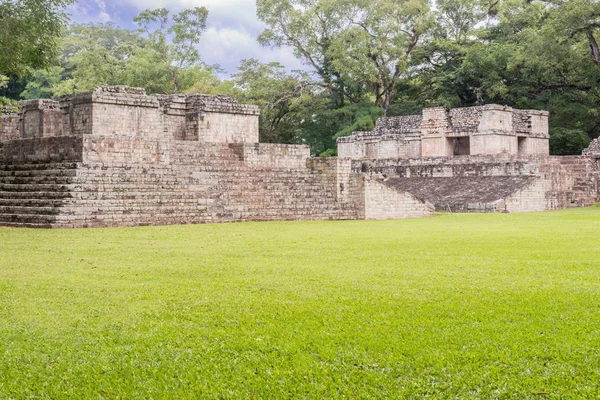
455	306
363	58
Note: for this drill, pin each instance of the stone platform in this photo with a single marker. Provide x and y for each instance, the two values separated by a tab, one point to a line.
117	157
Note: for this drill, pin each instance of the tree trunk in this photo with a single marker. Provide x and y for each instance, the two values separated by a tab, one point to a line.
594	47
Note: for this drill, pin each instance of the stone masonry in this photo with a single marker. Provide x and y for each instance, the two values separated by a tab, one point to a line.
476	159
117	157
490	129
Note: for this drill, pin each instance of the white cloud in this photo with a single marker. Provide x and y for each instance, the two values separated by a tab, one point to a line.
232	28
87	12
228	46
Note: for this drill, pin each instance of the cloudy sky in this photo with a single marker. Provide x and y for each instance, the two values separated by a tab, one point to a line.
232	27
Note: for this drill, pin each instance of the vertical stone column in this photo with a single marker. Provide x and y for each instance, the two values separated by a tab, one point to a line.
495	133
9	123
435	127
41	118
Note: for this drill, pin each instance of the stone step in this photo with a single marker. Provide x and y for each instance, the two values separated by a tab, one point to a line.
34	195
27	225
38	173
26	218
36	210
38	167
54	180
34	187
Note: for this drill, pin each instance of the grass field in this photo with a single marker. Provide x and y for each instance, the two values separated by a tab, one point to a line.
455	306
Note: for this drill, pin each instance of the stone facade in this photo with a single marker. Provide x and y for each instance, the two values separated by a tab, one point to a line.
490	129
117	157
476	159
490	183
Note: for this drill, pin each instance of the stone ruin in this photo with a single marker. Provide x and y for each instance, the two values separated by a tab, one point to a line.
482	130
117	157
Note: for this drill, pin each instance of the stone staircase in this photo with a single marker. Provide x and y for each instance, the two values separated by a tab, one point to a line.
212	189
32	195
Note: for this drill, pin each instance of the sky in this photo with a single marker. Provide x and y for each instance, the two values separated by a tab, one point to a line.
232	28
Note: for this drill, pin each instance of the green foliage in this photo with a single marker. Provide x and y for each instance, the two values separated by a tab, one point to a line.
206	81
95	55
568	141
357	47
29	34
462	306
41	84
161	57
296	109
356	117
173	57
282	97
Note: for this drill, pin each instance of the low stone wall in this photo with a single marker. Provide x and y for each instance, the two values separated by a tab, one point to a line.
491	183
483	165
112	149
41	150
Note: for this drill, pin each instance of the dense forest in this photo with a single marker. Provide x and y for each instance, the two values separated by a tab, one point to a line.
363	58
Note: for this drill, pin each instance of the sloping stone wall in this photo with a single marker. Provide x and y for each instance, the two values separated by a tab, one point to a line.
491	183
385	202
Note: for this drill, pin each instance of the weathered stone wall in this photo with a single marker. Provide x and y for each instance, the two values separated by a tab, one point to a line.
41	150
490	129
393	137
9	123
384	202
529	198
41	118
209	119
272	155
124	111
491	183
112	149
593	150
113	181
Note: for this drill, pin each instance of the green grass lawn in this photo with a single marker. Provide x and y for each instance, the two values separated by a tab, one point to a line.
455	306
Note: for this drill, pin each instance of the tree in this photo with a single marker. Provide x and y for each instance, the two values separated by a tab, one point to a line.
375	49
175	57
160	57
41	83
95	55
308	27
29	34
355	46
280	96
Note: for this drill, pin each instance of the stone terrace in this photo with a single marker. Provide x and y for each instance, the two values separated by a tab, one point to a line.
114	157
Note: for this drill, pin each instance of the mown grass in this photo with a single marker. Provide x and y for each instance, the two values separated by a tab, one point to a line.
455	306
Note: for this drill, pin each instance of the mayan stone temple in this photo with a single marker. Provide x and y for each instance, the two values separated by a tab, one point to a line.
118	157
